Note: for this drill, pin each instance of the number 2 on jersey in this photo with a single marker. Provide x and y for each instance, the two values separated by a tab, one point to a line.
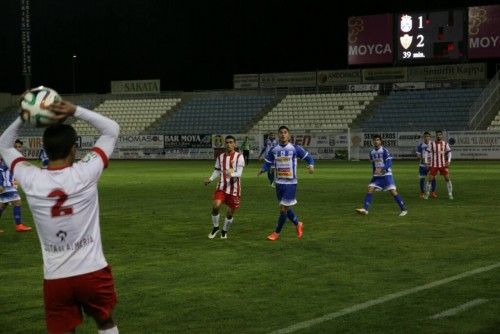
57	209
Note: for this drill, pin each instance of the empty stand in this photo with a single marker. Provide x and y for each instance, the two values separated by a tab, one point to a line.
446	109
495	124
133	115
203	113
485	109
225	114
317	112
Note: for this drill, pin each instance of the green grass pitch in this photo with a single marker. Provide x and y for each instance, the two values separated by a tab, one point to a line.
170	278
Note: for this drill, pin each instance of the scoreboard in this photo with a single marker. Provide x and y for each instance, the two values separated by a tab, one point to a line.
430	36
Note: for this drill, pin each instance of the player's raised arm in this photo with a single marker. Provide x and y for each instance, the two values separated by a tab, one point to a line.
9	154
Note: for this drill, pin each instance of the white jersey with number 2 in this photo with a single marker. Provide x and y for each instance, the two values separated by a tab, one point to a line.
64	204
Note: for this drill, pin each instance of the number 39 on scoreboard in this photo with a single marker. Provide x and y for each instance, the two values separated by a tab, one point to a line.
427	36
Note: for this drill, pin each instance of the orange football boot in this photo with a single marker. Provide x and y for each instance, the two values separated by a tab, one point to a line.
273	236
300	227
22	228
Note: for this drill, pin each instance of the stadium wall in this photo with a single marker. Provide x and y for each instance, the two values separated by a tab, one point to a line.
353	145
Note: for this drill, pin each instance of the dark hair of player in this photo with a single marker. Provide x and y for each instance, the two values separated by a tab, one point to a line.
427	133
58	140
284	127
377	137
230	137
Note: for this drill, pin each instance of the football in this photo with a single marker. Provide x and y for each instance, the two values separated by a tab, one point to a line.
34	106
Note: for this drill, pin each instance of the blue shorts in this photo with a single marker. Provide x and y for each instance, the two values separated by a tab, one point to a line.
9	196
383	183
422	171
286	194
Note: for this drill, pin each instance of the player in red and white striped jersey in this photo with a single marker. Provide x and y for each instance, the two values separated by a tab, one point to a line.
439	160
64	201
229	166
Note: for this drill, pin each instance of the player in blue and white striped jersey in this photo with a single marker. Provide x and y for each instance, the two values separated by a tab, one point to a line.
423	169
9	194
43	157
269	144
284	159
382	176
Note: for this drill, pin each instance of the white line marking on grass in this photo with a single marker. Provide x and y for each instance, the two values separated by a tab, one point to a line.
459	308
380	300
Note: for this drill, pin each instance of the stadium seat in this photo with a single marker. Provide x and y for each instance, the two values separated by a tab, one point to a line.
423	110
315	112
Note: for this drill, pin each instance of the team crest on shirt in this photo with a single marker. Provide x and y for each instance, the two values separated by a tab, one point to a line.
61	235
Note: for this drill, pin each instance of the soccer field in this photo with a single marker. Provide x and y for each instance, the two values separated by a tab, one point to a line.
379	273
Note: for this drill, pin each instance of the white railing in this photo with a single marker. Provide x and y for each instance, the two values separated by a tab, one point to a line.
485	105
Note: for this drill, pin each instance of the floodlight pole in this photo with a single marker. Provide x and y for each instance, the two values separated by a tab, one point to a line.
25	7
348	144
74	73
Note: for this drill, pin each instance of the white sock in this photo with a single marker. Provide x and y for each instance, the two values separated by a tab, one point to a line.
449	186
215	220
428	187
113	330
227	224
